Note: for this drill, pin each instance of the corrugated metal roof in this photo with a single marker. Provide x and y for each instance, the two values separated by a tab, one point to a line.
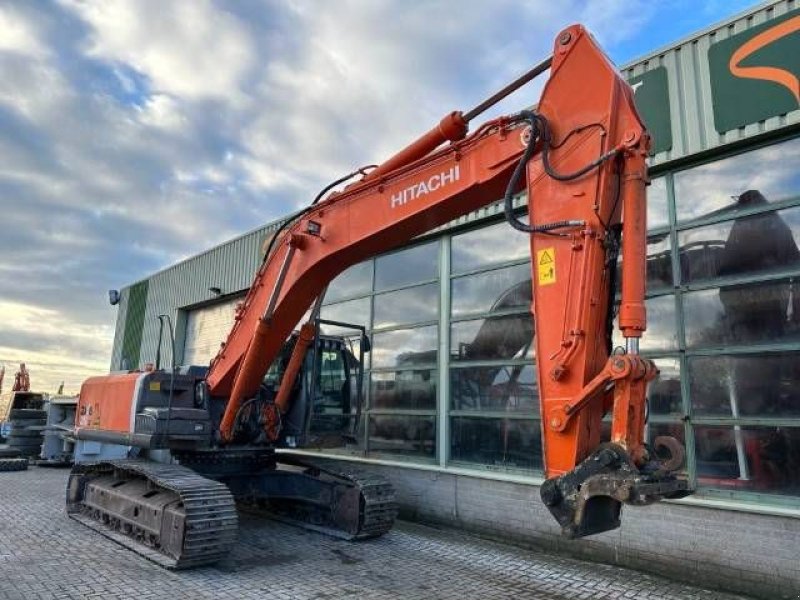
690	85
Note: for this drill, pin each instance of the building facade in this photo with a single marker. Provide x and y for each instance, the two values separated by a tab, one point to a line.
451	403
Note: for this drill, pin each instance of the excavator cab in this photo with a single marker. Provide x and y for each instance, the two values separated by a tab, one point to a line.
327	396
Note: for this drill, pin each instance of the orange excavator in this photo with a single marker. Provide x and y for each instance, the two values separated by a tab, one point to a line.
193	441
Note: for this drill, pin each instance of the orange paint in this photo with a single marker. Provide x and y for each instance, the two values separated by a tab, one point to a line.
105	402
765	38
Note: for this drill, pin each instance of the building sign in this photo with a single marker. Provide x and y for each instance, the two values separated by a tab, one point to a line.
652	101
754	74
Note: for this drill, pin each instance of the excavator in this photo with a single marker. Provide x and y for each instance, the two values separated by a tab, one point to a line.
195	440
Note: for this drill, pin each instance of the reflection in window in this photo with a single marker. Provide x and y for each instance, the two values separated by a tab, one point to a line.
405	347
664	393
511	388
662	326
411	305
469	250
501	289
763	385
716	187
512	443
502	337
405	435
355	281
412	265
657	212
738	314
760	459
408	389
748	245
354	312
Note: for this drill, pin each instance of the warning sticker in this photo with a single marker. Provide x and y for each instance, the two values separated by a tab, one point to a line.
546	265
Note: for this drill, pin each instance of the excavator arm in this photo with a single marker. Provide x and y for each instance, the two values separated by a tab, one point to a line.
580	155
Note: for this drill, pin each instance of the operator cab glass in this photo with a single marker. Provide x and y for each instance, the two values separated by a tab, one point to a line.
325	398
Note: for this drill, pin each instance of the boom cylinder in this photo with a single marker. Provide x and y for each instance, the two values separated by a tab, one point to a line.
632	313
451	128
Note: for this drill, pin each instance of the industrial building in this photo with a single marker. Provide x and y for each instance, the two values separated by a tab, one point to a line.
451	412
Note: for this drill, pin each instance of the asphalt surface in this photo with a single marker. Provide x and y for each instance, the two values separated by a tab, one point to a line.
44	554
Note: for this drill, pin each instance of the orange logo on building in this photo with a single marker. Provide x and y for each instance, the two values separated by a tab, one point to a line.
765	38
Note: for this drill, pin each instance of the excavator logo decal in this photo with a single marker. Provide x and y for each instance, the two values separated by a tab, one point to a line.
423	188
765	38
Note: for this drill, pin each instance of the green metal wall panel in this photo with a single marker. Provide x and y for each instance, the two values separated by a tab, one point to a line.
134	324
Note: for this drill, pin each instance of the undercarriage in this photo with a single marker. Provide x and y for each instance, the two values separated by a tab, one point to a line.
185	515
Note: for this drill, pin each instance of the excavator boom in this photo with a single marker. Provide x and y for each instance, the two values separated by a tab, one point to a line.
581	158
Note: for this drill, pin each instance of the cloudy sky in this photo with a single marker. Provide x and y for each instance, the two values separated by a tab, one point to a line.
136	133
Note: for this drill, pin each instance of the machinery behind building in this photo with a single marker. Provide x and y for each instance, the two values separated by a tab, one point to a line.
177	446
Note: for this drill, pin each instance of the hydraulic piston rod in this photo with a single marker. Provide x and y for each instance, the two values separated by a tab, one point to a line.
452	127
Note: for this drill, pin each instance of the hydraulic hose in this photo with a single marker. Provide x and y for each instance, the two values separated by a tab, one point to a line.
540	131
325	190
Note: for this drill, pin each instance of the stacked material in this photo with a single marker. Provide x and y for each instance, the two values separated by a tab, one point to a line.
27	425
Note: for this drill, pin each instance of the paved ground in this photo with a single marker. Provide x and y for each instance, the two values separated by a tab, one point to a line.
43	554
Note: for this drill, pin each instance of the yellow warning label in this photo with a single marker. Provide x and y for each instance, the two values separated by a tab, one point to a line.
155	386
546	265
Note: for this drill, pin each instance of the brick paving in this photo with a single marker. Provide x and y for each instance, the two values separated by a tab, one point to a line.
44	554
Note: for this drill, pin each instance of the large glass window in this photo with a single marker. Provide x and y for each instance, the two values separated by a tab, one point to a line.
408	435
494	338
412	265
739	183
741	317
758	312
657	207
755	459
506	388
407	389
410	305
488	246
491	368
506	443
749	385
497	290
753	245
353	312
355	281
664	394
388	296
405	347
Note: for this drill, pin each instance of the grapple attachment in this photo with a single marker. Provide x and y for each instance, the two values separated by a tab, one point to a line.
589	499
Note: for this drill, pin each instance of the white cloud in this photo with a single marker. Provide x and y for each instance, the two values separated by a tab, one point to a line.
19	35
189	49
163	112
60	350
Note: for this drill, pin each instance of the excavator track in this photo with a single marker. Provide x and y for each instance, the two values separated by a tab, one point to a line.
350	504
345	503
368	511
166	513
